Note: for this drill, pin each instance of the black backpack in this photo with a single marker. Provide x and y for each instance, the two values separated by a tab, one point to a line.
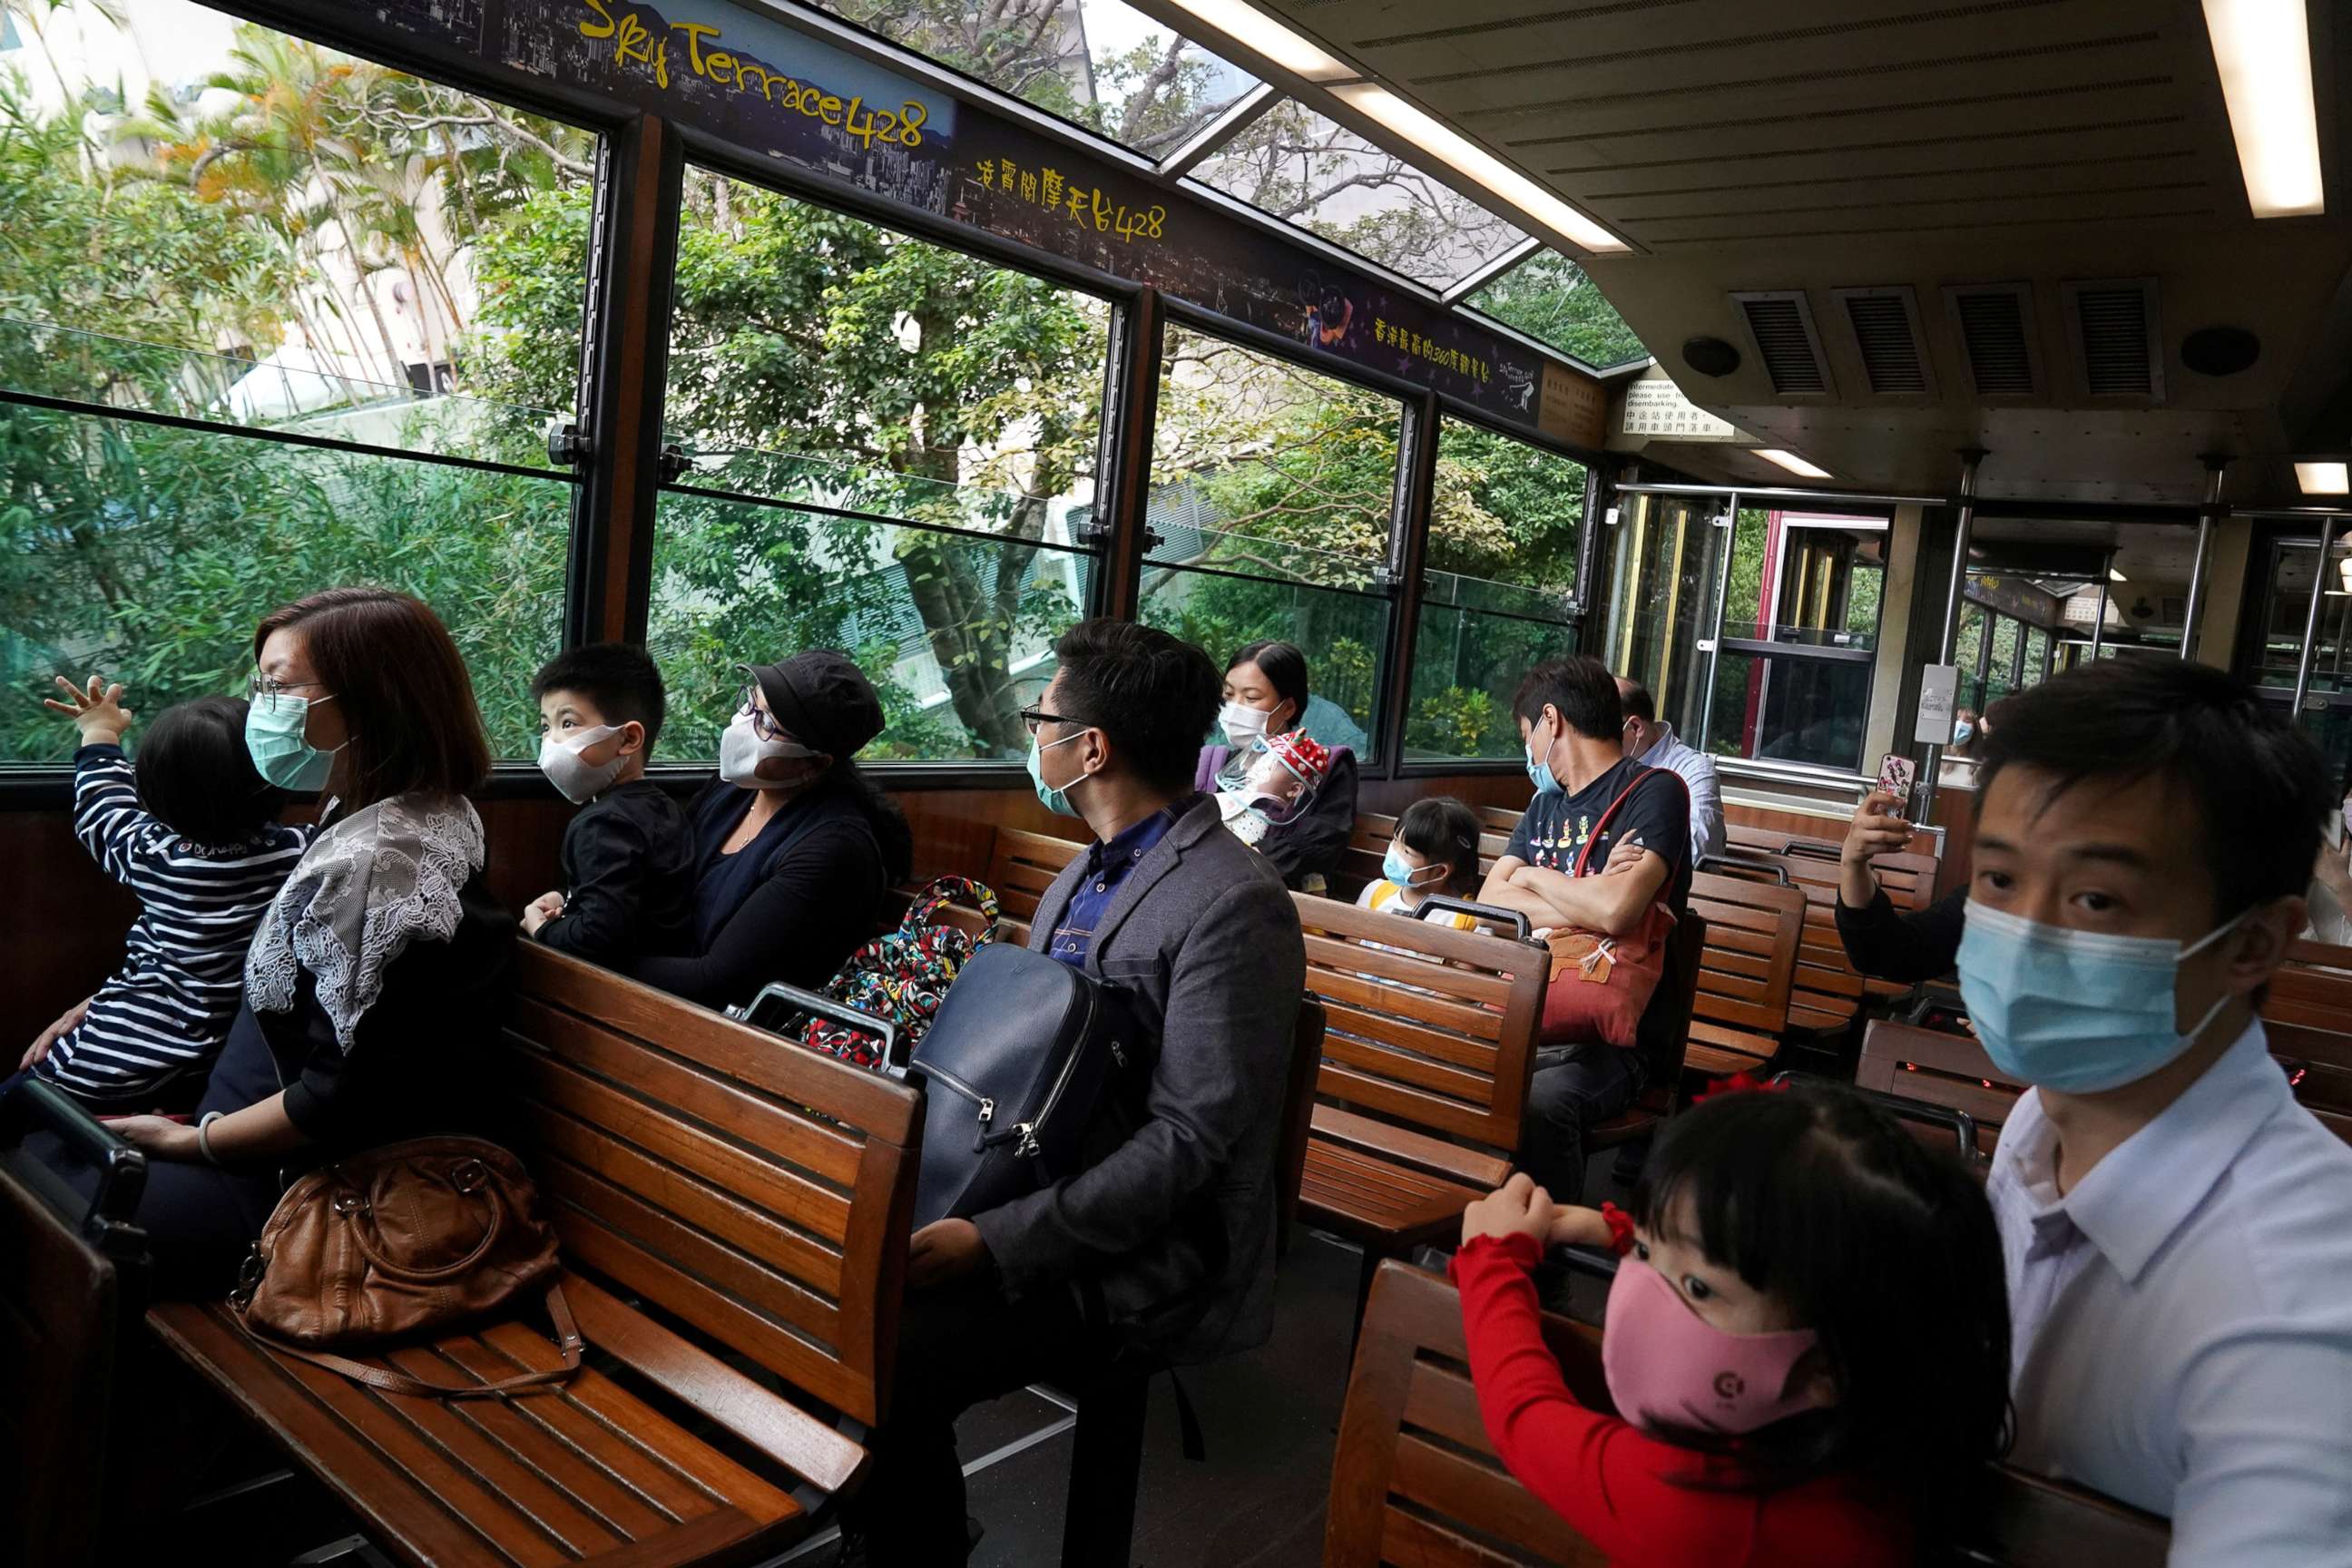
1032	1071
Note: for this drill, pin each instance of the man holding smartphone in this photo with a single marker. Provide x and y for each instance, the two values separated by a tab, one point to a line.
1881	941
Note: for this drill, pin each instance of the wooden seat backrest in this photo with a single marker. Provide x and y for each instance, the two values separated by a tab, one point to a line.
1022	867
60	1305
1427	1028
1298	1109
2308	1017
755	1190
1939	1068
1749	963
1416	1478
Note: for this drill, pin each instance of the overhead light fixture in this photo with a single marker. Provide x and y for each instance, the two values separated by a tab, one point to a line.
1465	157
2324	479
2115	576
2262	48
1254	29
1793	463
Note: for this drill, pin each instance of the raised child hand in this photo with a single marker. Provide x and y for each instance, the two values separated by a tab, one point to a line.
97	713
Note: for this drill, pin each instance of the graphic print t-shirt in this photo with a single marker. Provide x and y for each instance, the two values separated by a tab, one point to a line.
1553	832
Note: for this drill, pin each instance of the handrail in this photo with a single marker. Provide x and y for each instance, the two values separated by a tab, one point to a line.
798	1000
1445	904
32	1105
1730	860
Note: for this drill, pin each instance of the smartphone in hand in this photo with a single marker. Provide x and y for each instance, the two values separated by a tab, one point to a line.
1897	774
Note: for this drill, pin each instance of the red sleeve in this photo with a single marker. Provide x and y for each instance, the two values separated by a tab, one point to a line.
1598	1472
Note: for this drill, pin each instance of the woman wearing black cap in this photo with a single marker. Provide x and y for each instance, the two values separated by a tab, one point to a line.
798	850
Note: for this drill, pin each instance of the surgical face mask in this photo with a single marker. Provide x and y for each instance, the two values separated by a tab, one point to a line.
1242	723
1393	867
741	749
1540	764
273	736
1963	733
578	782
1056	801
1667	1366
2075	1011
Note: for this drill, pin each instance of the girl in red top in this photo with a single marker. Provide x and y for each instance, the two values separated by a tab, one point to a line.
1807	1340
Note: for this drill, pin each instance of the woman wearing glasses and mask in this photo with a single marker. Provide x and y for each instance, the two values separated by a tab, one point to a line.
1266	696
378	981
798	850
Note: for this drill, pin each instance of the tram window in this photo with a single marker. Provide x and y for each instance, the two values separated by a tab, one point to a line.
1548	297
1665	560
1271	493
891	450
402	290
1505	526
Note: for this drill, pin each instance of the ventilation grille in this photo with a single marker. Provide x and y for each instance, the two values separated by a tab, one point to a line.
1995	324
1885	323
1782	324
2112	325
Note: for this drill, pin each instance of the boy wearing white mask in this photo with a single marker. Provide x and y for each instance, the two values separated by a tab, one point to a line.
629	858
2179	1262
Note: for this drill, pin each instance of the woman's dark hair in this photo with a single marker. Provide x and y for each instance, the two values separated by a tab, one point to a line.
882	813
196	777
2256	787
1887	1249
1442	828
1284	668
1583	691
1153	695
402	685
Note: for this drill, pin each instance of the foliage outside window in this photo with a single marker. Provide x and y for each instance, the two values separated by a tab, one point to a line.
277	239
819	366
1548	297
1508	519
1272	492
1096	63
1305	169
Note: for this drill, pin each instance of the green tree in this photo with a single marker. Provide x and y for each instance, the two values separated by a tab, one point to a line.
1548	297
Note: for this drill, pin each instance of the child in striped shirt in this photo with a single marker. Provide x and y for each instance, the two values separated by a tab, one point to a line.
191	830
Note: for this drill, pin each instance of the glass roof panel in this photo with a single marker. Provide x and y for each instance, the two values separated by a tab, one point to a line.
1548	297
1301	167
1098	63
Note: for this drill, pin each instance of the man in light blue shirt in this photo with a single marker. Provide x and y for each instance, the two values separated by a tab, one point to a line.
1657	747
2177	1230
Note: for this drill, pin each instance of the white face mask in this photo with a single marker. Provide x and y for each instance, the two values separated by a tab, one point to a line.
578	782
1242	723
742	750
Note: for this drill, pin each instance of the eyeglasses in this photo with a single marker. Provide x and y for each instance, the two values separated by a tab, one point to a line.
266	691
763	723
1035	717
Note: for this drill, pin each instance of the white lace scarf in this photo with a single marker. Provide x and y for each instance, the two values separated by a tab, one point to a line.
369	885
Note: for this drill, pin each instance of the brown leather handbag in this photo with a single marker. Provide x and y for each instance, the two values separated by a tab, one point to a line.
401	1242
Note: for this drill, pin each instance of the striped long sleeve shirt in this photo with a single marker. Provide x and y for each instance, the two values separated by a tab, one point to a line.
167	1009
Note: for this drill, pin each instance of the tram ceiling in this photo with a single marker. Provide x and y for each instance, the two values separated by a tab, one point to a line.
1864	159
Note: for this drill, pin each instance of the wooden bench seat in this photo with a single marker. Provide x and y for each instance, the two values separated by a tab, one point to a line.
2308	1017
1020	867
754	1197
1747	971
1416	1478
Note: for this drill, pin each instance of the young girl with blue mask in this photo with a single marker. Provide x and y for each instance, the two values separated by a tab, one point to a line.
1787	1257
1433	850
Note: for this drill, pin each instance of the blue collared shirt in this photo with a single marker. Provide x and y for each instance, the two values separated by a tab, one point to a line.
1107	865
2182	1318
1697	770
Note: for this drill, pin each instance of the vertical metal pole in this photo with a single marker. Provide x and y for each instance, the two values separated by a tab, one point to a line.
1408	575
1123	497
1722	603
2311	617
2214	469
1954	589
2099	617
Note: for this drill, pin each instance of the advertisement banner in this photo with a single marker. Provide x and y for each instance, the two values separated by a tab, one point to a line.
783	95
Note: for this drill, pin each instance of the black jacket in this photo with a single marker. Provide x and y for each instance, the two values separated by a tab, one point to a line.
1904	948
629	863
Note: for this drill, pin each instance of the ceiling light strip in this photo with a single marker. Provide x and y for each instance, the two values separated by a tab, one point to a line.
2263	49
1793	463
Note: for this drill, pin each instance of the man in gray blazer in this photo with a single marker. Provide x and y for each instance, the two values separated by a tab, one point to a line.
1165	1246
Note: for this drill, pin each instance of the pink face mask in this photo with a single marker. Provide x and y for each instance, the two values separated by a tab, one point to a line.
1667	1367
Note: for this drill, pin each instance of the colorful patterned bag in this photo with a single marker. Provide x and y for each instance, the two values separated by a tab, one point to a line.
903	976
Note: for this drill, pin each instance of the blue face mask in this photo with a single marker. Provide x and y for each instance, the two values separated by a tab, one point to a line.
2079	1012
1540	770
1963	733
1056	801
1393	867
273	736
